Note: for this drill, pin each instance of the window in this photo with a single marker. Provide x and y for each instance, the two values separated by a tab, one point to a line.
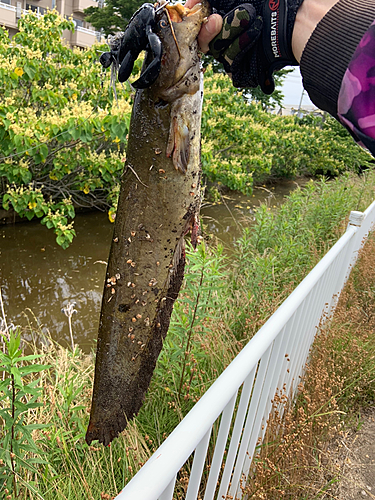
77	22
33	8
5	1
39	10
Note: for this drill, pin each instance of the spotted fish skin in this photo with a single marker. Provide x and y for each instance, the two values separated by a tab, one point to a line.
159	203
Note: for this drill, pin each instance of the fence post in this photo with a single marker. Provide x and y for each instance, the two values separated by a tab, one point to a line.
356	219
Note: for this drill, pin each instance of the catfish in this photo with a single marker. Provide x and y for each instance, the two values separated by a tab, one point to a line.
158	205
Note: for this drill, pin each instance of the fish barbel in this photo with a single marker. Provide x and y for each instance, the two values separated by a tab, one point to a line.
158	205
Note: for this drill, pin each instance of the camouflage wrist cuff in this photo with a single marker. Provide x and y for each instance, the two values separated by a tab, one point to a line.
233	38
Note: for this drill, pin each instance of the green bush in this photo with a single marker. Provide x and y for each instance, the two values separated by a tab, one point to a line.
283	245
243	144
62	136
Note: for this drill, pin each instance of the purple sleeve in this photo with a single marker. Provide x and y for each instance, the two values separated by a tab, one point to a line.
356	102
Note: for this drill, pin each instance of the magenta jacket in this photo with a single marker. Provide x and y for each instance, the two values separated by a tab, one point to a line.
338	67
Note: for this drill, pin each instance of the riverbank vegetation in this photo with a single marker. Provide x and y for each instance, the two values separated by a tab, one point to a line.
63	133
46	389
337	389
243	144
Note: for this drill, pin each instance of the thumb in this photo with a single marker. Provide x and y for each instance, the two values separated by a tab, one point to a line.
209	30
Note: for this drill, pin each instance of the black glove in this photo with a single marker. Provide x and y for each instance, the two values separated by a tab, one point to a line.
256	40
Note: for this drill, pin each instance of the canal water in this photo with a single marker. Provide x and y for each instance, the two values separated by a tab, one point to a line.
38	278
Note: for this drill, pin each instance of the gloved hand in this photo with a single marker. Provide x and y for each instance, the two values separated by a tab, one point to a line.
256	40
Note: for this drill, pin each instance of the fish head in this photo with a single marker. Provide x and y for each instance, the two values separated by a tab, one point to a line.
187	22
178	30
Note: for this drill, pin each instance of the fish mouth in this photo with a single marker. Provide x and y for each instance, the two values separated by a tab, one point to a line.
197	8
178	12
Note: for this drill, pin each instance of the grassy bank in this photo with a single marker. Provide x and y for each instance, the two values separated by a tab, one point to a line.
45	400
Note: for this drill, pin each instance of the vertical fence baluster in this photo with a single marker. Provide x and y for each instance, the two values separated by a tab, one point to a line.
251	417
197	469
297	341
221	442
285	355
368	223
291	354
318	308
329	289
169	490
236	434
343	270
332	290
286	348
268	392
276	385
335	288
305	345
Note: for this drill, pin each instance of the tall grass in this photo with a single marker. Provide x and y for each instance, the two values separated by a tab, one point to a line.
224	301
283	245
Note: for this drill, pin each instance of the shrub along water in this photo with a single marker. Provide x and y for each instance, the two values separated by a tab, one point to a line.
224	301
63	135
243	144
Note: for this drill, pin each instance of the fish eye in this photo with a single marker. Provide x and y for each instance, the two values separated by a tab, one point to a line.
163	23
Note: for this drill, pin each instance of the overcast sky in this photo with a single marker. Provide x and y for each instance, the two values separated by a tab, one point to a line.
292	89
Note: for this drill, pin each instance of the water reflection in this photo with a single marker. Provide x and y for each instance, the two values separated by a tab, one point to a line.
38	278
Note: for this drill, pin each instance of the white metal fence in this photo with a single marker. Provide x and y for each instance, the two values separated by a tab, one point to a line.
274	358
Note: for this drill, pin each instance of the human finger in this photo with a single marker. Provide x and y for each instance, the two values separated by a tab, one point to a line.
209	30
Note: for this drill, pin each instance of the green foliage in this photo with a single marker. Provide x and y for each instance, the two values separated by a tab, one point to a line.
243	144
194	316
113	16
61	137
283	245
62	466
20	395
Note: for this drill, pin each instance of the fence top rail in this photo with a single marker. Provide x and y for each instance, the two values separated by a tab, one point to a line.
150	482
369	210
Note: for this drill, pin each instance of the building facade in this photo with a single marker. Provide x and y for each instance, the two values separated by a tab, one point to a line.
84	34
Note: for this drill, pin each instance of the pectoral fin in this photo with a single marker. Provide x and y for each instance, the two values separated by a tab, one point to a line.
178	146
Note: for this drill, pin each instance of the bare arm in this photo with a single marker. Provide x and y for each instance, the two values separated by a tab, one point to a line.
308	16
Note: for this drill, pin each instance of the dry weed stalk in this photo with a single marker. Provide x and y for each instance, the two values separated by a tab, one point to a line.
295	461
